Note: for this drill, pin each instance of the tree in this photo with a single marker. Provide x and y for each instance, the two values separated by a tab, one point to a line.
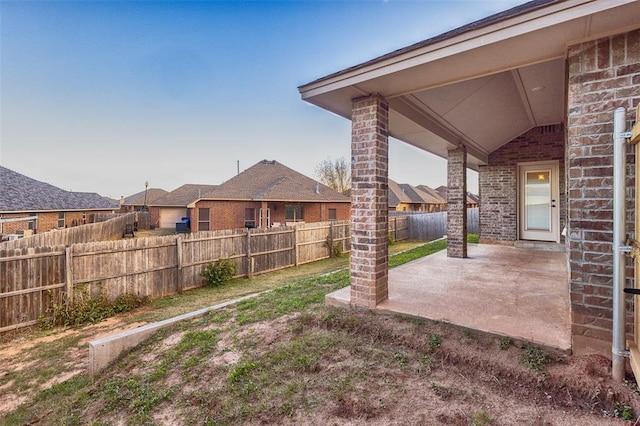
335	174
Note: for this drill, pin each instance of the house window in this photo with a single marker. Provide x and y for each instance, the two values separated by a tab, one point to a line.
84	217
333	214
249	218
204	219
32	223
61	220
293	213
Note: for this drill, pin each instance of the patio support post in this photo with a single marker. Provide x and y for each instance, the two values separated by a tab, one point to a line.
263	215
369	201
457	202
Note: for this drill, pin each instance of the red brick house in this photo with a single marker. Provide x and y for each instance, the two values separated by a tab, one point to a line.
31	206
267	194
526	97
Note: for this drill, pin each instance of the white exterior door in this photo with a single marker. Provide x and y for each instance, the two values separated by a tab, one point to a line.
539	202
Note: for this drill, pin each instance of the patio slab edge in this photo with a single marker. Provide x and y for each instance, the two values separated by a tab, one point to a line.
102	352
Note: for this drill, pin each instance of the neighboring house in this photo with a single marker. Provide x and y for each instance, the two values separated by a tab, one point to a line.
526	97
438	200
268	194
472	199
141	201
406	198
31	206
169	209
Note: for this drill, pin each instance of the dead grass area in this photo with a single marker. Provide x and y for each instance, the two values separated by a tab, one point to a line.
285	358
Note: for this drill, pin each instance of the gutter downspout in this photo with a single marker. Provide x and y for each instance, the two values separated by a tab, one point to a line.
619	351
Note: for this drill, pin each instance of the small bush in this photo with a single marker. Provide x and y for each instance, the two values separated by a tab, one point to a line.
86	310
218	273
505	343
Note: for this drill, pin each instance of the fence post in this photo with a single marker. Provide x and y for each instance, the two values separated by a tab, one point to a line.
295	245
331	254
395	228
249	258
69	273
180	284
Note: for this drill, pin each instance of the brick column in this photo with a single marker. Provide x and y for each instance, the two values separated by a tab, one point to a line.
369	211
457	202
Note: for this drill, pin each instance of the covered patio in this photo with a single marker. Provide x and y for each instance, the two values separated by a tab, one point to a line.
510	291
526	98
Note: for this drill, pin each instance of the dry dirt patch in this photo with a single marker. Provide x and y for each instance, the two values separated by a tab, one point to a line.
326	366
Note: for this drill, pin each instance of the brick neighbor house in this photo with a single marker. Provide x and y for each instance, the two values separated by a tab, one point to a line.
526	97
267	194
31	206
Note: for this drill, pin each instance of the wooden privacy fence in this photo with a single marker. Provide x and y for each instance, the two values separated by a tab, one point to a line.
399	227
32	279
101	231
431	226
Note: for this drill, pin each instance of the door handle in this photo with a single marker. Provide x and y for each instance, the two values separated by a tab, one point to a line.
634	291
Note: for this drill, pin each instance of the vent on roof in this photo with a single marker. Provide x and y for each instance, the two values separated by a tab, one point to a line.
317	188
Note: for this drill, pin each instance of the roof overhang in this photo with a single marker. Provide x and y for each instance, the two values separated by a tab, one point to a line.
483	84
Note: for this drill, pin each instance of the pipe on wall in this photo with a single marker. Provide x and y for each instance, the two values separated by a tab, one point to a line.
619	351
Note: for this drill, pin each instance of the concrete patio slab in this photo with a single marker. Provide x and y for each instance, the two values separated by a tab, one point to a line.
517	292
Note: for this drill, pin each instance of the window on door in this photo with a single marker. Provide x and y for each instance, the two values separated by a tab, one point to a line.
204	219
250	218
537	201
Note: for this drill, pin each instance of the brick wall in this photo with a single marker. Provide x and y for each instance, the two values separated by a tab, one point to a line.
46	221
603	75
369	201
498	181
230	214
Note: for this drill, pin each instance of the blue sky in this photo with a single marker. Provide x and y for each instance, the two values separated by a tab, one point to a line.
103	96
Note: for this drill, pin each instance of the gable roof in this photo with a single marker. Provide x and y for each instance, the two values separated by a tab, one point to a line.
20	193
431	194
272	181
471	198
183	196
138	199
408	194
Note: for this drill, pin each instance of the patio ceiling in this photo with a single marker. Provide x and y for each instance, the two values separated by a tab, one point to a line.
480	85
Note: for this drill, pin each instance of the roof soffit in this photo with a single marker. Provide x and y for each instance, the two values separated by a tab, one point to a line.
573	21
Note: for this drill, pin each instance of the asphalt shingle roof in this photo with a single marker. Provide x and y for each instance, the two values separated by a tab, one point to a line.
22	193
272	181
183	196
138	199
405	193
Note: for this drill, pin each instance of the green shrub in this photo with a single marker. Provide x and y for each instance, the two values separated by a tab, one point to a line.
218	273
87	310
535	358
